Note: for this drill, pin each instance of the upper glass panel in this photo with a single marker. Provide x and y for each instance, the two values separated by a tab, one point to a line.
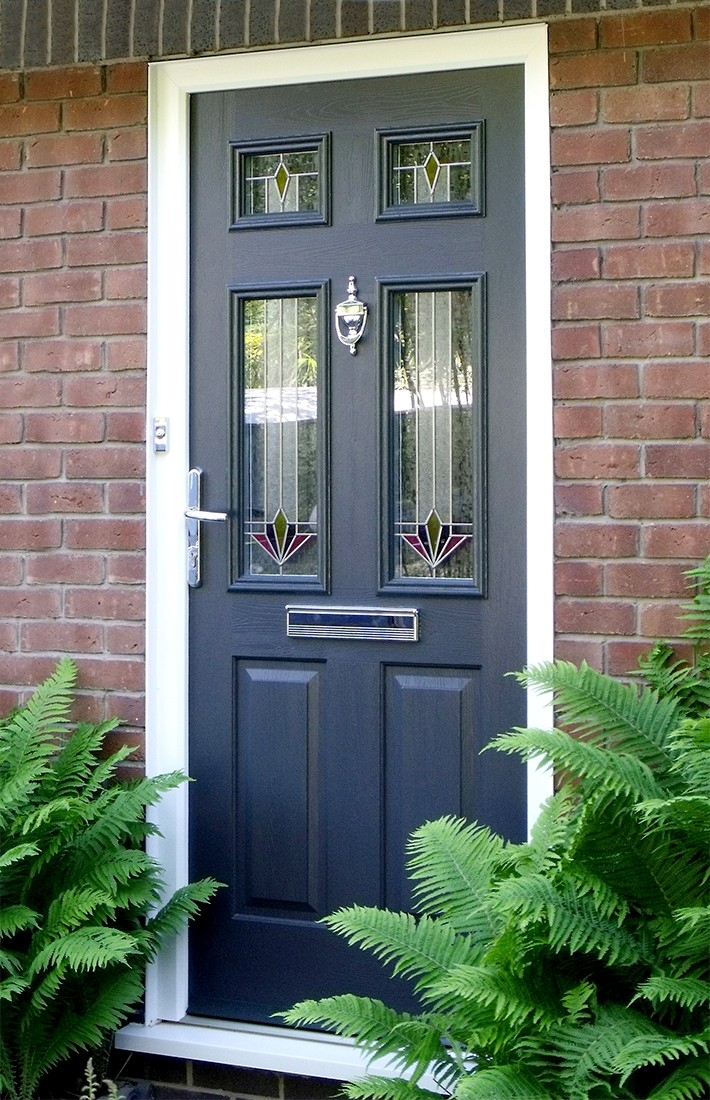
425	172
430	171
437	434
277	182
280	436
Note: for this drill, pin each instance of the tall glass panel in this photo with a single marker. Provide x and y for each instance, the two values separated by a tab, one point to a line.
280	438
434	467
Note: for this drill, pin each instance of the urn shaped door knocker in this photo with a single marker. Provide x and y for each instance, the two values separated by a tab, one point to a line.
350	318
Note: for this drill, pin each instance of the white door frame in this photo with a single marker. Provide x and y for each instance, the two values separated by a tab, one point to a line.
166	1029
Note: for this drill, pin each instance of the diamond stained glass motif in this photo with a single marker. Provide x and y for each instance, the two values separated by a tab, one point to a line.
431	172
282	182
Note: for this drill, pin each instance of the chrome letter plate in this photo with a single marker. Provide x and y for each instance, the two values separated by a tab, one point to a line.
369	624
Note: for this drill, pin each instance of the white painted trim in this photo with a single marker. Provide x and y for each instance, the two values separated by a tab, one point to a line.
170	85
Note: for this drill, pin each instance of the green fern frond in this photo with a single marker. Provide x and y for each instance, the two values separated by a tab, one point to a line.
685	992
573	921
371	1023
691	745
689	814
657	1050
676	678
85	949
512	1082
182	906
72	907
690	1081
452	865
684	939
74	765
608	712
17	853
417	948
619	773
15	918
387	1088
509	998
588	1054
10	988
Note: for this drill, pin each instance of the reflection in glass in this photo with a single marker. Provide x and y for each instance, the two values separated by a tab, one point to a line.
280	436
431	171
281	182
434	434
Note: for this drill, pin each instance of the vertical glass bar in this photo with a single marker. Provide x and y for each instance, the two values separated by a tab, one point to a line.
280	435
434	471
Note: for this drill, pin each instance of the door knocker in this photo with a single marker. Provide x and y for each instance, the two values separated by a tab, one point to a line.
350	318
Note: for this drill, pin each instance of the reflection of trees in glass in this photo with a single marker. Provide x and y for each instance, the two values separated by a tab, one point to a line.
433	377
279	341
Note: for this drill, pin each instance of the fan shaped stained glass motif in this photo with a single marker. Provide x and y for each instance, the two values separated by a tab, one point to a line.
280	439
434	435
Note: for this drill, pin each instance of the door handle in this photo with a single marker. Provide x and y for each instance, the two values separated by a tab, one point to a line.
196	516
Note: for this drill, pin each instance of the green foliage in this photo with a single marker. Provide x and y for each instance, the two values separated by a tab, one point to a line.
80	900
574	966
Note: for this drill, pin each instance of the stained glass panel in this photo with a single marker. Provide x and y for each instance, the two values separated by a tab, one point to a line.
281	182
435	465
280	440
430	171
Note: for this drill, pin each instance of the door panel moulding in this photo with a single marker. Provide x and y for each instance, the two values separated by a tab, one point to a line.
167	1030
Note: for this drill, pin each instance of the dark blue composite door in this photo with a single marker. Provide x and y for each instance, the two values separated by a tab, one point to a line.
357	612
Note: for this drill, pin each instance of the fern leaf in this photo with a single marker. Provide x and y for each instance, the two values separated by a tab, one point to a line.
606	711
373	1087
372	1024
11	987
85	949
619	773
15	918
513	1082
72	907
690	1081
509	998
656	1050
685	992
183	905
418	948
74	765
452	864
17	853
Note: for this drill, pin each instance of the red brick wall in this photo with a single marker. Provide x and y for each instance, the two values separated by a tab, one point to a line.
630	265
631	336
72	381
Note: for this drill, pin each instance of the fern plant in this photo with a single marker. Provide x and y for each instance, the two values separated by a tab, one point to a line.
574	966
80	911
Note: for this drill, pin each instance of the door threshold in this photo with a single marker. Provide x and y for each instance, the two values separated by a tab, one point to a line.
253	1046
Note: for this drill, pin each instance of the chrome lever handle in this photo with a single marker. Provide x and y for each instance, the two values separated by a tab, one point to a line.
195	516
205	517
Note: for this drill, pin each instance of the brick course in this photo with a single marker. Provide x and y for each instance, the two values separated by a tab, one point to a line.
629	425
72	184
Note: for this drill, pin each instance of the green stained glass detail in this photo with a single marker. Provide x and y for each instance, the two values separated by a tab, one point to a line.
282	182
425	172
432	169
282	177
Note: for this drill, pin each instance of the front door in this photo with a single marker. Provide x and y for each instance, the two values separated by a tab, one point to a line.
358	411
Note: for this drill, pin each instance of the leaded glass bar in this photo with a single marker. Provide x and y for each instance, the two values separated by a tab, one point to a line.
436	434
280	436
